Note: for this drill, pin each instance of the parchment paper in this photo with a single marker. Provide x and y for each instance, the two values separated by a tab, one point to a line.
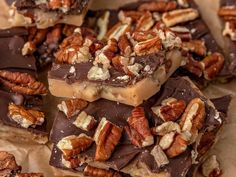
35	158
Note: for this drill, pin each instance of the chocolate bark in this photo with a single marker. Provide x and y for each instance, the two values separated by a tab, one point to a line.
125	152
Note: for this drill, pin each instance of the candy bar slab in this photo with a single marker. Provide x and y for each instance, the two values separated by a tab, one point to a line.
149	156
44	14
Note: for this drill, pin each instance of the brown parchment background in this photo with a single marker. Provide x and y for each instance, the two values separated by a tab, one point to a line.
35	158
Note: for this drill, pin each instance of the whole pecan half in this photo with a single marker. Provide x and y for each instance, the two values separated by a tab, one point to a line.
159	6
22	83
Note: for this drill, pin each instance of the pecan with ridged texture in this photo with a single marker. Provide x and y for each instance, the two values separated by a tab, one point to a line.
138	129
195	46
30	175
212	65
143	35
124	46
98	172
159	6
182	32
228	13
25	117
75	39
68	30
128	17
22	83
107	136
117	30
194	67
145	22
54	36
71	107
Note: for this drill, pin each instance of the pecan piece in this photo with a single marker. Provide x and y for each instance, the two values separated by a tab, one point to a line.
75	39
106	137
167	140
194	67
149	46
68	30
227	11
178	146
145	22
211	167
182	32
25	117
72	107
230	30
175	17
159	156
102	24
195	46
73	145
128	17
98	172
54	36
138	129
170	110
160	6
8	165
85	121
124	46
183	3
193	118
143	35
117	30
212	65
165	128
30	175
22	83
97	73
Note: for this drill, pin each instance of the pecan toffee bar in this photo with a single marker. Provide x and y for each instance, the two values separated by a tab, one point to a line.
9	167
127	62
46	13
227	12
21	99
165	136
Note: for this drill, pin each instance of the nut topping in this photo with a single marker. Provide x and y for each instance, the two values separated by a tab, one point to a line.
117	30
167	140
106	137
165	128
102	24
194	67
85	121
97	73
160	6
22	83
138	129
72	107
73	145
124	46
30	175
145	22
195	46
170	110
230	30
179	16
212	65
25	117
182	32
193	118
159	156
98	172
227	11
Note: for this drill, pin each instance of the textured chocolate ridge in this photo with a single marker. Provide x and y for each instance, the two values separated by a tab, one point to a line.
118	113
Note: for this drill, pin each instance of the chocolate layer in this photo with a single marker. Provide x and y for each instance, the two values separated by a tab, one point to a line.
27	101
62	71
11	43
118	113
76	8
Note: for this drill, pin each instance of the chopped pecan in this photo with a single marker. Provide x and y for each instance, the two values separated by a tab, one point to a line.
211	167
227	12
30	175
68	30
230	30
143	35
72	107
175	17
134	70
127	17
102	24
183	3
145	22
85	121
165	128
22	83
74	39
64	6
97	73
159	156
182	32
149	46
8	165
195	46
98	172
121	63
212	65
25	117
138	129
194	67
30	46
54	36
179	145
124	46
117	30
170	110
193	118
73	145
167	140
71	162
159	6
106	137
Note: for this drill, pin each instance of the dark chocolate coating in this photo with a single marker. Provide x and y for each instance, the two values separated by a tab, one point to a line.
125	152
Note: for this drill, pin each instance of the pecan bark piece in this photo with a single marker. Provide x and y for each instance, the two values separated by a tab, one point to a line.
85	121
8	165
30	175
73	145
124	46
72	107
212	65
170	110
160	6
25	117
193	118
138	129
106	137
175	17
195	46
194	67
22	83
98	172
